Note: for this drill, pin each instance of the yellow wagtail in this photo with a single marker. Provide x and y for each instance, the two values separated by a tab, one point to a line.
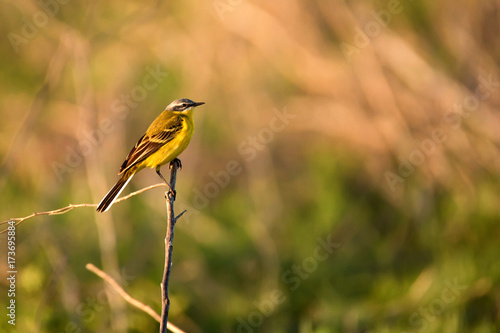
165	139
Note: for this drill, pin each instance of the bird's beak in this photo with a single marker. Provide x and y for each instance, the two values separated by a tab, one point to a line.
198	104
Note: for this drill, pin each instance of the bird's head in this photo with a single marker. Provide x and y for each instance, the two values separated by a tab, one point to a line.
183	105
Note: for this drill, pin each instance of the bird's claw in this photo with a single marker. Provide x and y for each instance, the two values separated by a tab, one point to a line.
175	161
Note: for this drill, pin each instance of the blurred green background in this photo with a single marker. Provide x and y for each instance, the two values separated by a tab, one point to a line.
343	175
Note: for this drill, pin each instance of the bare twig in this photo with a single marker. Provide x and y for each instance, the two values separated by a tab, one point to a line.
72	206
123	293
169	238
130	299
177	217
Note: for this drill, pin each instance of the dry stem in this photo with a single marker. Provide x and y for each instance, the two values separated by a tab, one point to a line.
169	238
130	299
72	206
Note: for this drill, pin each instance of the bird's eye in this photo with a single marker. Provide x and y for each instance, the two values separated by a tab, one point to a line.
184	105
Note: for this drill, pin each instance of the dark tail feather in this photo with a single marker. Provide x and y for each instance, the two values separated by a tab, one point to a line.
111	196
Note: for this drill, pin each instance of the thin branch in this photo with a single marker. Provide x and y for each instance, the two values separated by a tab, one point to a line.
130	299
177	217
123	293
139	191
72	206
169	247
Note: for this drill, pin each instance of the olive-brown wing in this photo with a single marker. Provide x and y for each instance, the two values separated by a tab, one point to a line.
148	145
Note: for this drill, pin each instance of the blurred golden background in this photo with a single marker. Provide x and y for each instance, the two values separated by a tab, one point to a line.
343	175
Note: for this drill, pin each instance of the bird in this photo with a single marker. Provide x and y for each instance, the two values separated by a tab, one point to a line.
167	136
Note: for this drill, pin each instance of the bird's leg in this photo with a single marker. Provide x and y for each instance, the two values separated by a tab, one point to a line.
175	163
170	187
